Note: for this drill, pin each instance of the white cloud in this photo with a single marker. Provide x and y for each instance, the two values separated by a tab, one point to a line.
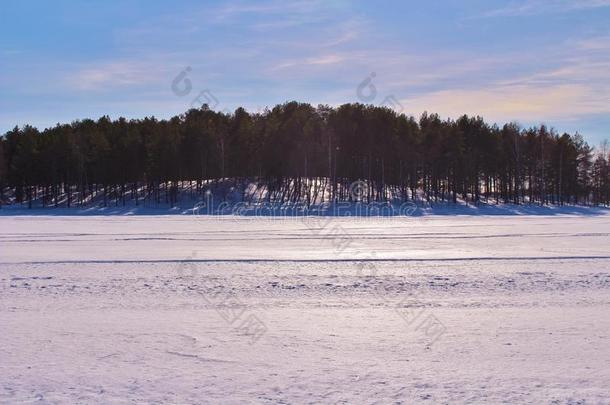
269	8
534	7
116	74
328	59
508	103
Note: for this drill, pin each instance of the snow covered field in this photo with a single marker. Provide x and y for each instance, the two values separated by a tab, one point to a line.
195	309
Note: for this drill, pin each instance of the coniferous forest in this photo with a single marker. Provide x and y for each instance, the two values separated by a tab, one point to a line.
296	152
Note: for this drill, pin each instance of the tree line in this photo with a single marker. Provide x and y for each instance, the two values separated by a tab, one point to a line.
296	152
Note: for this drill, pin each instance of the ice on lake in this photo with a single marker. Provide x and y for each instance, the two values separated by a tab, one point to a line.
195	309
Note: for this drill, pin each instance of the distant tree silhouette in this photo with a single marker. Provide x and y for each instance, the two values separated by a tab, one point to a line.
295	152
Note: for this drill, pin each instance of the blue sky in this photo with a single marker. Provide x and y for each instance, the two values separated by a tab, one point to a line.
528	61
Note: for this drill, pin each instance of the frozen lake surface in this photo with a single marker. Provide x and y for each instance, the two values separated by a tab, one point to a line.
195	309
